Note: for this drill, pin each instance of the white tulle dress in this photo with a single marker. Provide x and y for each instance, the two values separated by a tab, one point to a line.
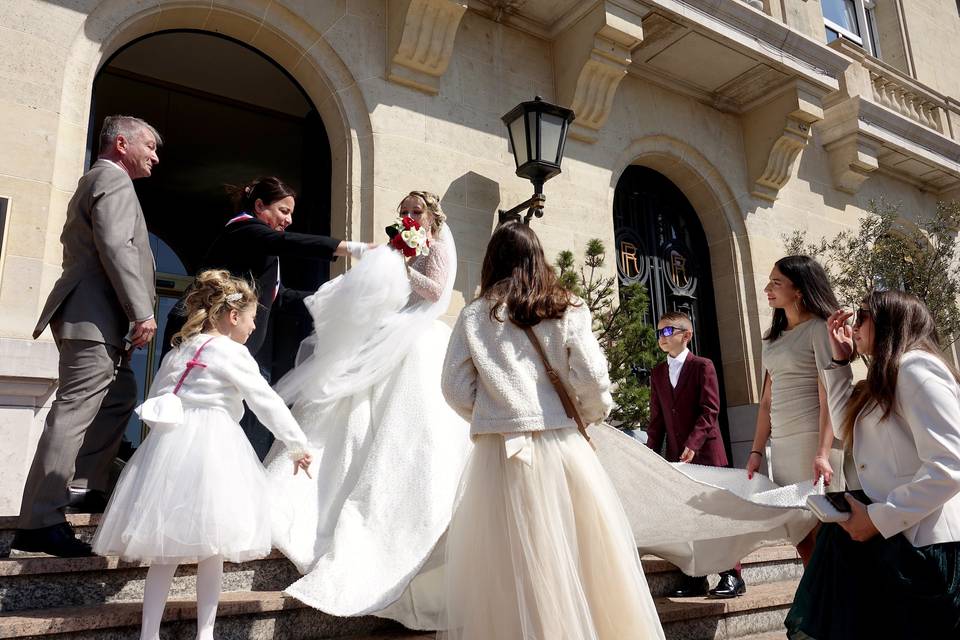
195	487
389	451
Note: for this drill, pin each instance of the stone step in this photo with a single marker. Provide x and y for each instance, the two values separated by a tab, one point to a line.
269	614
33	581
41	581
241	616
763	566
759	612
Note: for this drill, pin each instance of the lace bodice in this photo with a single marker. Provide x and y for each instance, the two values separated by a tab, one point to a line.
428	273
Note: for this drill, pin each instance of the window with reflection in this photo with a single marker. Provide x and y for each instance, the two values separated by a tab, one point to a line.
853	20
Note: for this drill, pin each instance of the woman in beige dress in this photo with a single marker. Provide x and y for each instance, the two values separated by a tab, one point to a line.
794	416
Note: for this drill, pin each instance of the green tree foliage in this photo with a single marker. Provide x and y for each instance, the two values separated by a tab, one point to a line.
620	325
888	253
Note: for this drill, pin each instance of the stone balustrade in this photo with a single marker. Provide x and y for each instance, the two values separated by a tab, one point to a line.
907	97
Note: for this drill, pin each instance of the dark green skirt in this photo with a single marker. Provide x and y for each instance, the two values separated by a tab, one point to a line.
877	589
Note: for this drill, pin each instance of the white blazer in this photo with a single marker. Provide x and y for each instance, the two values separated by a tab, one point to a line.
909	463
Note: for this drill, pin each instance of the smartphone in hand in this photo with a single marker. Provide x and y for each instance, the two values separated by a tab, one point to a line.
838	500
823	506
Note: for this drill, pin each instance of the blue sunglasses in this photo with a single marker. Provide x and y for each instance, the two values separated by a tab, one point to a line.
666	332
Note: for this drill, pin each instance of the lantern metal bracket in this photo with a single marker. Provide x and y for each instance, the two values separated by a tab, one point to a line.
534	207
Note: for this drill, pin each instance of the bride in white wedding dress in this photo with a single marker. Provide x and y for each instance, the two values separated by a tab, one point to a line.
388	449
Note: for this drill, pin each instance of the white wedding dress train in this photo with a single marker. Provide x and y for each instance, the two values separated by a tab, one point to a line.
702	519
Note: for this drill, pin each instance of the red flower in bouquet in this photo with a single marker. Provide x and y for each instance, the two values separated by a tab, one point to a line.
408	237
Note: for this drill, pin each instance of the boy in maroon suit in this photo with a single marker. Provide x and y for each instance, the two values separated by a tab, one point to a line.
684	405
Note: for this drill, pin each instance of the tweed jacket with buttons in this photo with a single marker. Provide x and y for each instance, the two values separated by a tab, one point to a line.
494	377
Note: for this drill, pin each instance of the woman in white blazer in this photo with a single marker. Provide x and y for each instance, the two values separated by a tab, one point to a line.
539	546
900	549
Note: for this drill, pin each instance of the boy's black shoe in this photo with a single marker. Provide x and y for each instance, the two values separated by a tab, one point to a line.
691	588
731	585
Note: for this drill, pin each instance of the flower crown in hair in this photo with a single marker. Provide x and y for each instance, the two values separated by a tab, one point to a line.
233	297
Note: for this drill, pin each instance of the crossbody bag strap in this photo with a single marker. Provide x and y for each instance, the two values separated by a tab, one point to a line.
568	405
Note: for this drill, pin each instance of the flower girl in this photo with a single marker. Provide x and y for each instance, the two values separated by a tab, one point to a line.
540	546
195	491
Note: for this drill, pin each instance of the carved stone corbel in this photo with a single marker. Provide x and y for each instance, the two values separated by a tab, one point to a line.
852	160
771	163
592	57
420	38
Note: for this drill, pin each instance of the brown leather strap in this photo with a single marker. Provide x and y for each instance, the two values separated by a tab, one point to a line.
568	405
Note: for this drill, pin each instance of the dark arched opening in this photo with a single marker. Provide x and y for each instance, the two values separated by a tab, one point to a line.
227	114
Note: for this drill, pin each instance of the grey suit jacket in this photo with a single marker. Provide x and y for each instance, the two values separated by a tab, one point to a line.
108	267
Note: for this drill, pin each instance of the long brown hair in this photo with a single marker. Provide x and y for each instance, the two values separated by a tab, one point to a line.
515	273
901	323
213	293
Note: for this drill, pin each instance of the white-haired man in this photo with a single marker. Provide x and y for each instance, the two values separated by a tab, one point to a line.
100	308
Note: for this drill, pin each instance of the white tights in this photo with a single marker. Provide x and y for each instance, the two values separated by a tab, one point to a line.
159	578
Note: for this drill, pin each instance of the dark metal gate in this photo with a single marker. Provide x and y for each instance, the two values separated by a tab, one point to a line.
660	243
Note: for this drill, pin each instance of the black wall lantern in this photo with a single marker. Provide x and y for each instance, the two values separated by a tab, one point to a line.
538	132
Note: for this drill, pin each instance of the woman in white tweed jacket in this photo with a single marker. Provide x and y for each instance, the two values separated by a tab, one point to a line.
539	546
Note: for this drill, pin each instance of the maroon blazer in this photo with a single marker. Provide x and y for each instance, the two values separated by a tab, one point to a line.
687	415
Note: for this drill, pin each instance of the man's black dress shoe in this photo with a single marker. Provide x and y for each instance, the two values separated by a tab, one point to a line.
731	585
691	588
92	501
57	540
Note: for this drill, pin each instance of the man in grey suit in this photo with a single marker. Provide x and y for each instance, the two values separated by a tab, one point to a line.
100	308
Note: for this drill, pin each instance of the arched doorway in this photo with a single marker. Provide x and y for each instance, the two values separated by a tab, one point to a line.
661	244
228	114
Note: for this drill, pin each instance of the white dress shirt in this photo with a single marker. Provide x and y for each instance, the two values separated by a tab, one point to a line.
675	365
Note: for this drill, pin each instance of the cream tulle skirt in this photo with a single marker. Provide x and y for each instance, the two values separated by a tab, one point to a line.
543	550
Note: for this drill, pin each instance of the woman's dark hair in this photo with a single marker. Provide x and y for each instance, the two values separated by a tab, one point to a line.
901	323
816	294
515	273
268	190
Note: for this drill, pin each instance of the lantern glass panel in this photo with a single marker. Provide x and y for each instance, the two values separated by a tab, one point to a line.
532	132
519	138
551	127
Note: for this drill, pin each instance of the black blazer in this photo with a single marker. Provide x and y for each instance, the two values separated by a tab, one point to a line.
251	249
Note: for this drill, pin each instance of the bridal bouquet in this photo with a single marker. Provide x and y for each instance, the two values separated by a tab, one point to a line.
408	237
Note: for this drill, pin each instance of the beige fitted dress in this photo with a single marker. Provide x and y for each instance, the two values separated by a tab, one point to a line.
794	362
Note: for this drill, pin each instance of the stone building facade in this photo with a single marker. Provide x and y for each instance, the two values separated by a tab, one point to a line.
705	130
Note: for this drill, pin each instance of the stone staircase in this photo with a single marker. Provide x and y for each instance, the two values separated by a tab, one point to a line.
99	599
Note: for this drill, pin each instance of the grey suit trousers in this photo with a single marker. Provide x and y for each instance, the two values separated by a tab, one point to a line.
95	397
